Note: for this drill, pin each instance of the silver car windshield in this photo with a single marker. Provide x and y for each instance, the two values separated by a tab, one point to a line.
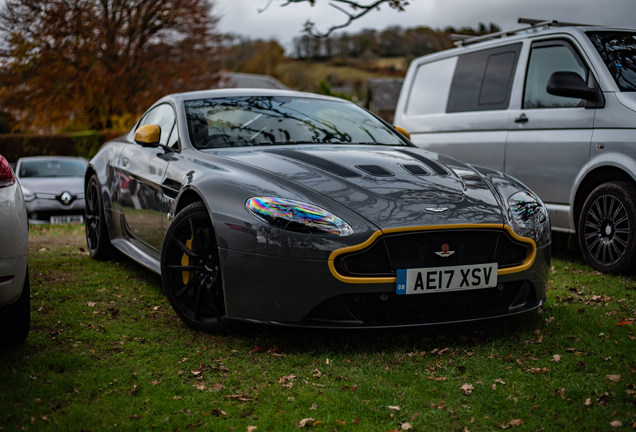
270	120
618	51
52	168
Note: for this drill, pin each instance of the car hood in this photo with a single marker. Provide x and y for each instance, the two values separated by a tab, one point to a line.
391	187
54	185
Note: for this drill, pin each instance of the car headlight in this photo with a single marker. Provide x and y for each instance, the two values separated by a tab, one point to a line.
28	195
529	217
297	216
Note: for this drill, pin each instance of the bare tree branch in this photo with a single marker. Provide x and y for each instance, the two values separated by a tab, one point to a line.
360	9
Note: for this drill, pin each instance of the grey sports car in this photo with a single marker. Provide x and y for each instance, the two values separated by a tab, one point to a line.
297	209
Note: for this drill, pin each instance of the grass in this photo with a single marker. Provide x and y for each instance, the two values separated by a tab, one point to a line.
107	352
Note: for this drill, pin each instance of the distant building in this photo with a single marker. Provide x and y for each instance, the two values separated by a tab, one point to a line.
382	96
246	80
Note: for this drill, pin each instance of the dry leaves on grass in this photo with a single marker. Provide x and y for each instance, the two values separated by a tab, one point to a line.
588	402
303	422
556	358
406	426
286	381
467	388
614	378
393	407
538	370
616	423
251	428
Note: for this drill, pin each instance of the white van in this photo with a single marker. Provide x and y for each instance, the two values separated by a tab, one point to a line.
553	105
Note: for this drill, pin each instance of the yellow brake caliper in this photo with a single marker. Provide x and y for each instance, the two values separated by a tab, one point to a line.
186	261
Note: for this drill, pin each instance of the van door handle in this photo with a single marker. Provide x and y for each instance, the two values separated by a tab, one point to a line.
521	119
124	161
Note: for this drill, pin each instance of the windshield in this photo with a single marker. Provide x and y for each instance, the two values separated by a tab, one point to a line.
53	168
267	120
618	51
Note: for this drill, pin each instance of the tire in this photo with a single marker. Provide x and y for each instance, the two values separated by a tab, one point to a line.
97	240
607	228
191	270
15	319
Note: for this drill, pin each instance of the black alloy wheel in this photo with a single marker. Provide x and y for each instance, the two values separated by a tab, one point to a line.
97	240
607	227
191	271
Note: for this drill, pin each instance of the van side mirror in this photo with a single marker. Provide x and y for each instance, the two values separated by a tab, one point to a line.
403	132
148	135
569	84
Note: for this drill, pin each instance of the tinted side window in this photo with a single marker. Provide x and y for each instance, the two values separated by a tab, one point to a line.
544	61
429	90
483	80
162	115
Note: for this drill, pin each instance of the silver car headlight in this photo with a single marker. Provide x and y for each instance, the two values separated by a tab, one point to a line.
529	217
28	195
297	216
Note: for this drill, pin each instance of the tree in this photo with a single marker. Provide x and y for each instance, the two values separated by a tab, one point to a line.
357	10
87	63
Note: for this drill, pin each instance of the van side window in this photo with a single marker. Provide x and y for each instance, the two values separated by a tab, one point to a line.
483	80
544	61
429	91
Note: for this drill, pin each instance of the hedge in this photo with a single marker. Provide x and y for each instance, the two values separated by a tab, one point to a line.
84	144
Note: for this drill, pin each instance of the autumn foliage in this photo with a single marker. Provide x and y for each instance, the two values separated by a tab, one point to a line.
96	64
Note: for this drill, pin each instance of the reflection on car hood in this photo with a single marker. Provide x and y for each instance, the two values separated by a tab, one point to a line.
384	184
54	185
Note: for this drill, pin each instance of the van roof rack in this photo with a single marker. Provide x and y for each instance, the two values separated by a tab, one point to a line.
461	40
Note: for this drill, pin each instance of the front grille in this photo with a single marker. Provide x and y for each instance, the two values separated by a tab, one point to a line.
436	306
392	252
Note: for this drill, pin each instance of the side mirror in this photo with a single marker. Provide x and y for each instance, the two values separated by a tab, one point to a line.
148	135
403	132
569	84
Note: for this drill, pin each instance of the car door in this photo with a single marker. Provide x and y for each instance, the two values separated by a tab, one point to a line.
549	136
141	173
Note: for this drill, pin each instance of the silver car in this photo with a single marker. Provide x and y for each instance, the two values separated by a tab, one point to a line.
53	188
14	280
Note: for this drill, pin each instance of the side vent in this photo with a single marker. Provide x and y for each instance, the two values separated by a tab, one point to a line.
417	170
375	170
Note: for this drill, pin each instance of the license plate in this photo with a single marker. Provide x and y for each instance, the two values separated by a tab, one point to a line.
67	219
439	279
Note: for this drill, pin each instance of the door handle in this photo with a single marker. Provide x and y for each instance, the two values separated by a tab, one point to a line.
124	161
521	119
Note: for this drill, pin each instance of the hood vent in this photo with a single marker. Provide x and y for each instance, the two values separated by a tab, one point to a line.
375	170
429	163
316	161
417	170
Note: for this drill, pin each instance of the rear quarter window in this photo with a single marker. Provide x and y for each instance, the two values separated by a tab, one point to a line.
429	91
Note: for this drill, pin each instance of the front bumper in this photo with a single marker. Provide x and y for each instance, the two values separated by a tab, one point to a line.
305	293
40	210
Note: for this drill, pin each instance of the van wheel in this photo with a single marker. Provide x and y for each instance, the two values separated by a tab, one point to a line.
607	227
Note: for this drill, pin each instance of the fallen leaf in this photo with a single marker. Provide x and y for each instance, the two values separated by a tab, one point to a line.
341	422
156	308
406	426
588	402
314	406
393	407
251	428
217	387
356	422
303	422
556	358
195	372
494	386
562	392
516	422
500	381
416	415
614	378
155	382
199	386
622	323
616	423
467	388
91	304
538	370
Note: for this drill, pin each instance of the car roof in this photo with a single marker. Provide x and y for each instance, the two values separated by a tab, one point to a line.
41	158
234	92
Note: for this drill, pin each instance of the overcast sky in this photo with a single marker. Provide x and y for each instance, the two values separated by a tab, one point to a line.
284	23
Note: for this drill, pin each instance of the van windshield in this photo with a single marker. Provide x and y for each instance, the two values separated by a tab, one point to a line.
618	51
